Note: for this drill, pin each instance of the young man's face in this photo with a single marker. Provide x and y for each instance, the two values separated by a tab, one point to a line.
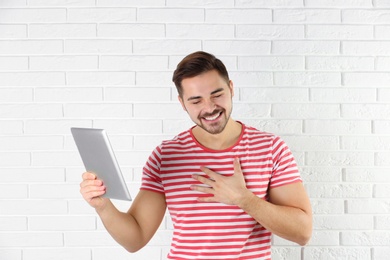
207	98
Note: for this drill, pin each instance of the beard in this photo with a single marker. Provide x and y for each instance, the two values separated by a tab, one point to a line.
219	125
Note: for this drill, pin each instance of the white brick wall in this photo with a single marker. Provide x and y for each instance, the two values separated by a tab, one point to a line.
316	72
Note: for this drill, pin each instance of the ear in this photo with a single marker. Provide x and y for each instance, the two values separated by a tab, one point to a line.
182	103
231	87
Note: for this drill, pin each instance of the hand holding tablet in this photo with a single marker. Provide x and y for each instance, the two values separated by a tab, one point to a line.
99	158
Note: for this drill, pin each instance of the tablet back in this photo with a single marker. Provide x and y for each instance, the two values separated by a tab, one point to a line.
98	157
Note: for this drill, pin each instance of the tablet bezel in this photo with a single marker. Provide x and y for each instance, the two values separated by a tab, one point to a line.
98	157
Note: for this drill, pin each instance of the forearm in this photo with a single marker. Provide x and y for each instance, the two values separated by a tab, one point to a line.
123	227
287	222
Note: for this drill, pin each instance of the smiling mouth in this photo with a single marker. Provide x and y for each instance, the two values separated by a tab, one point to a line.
212	117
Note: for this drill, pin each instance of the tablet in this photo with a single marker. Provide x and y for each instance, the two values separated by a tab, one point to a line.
98	157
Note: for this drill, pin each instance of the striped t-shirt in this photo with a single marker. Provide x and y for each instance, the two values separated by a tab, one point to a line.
215	230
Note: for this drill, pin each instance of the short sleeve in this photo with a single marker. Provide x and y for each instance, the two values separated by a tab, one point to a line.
284	170
151	179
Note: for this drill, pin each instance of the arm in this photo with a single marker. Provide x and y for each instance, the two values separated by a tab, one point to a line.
133	229
287	214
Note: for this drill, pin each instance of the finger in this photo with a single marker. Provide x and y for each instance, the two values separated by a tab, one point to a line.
89	176
203	189
203	180
207	199
96	183
209	172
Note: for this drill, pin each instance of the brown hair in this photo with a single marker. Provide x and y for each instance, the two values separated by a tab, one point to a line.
195	64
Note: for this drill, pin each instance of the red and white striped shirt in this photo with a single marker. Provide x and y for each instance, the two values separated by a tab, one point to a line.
216	230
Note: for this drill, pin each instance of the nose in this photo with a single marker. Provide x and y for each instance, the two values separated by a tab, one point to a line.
209	106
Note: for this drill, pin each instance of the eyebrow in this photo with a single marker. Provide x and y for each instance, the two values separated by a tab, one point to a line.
212	93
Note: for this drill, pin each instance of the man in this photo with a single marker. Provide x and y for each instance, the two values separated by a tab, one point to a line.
227	186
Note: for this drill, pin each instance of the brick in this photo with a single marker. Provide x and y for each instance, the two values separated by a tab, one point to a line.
381	3
136	30
52	253
167	46
380	252
383	63
13	63
11	127
336	190
200	3
159	111
32	207
148	252
200	31
12	159
273	63
335	3
255	78
61	3
382	222
339	158
32	15
337	127
88	239
365	111
251	110
366	79
306	47
381	126
32	175
308	16
62	30
61	223
100	78
270	31
131	126
63	62
238	16
31	78
20	47
13	31
276	126
133	62
270	95
340	32
343	222
101	15
30	110
280	253
327	206
54	191
31	239
366	48
340	63
169	15
365	16
11	254
365	238
382	159
13	191
269	3
323	253
30	143
312	143
367	175
102	110
68	94
80	207
382	190
376	143
325	238
343	95
5	3
137	94
175	126
237	47
382	32
16	95
154	79
368	206
305	111
58	126
99	46
56	158
149	142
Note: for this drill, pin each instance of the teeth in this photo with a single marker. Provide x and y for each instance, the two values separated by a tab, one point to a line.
212	118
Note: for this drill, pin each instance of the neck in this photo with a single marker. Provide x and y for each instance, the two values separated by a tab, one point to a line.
227	138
